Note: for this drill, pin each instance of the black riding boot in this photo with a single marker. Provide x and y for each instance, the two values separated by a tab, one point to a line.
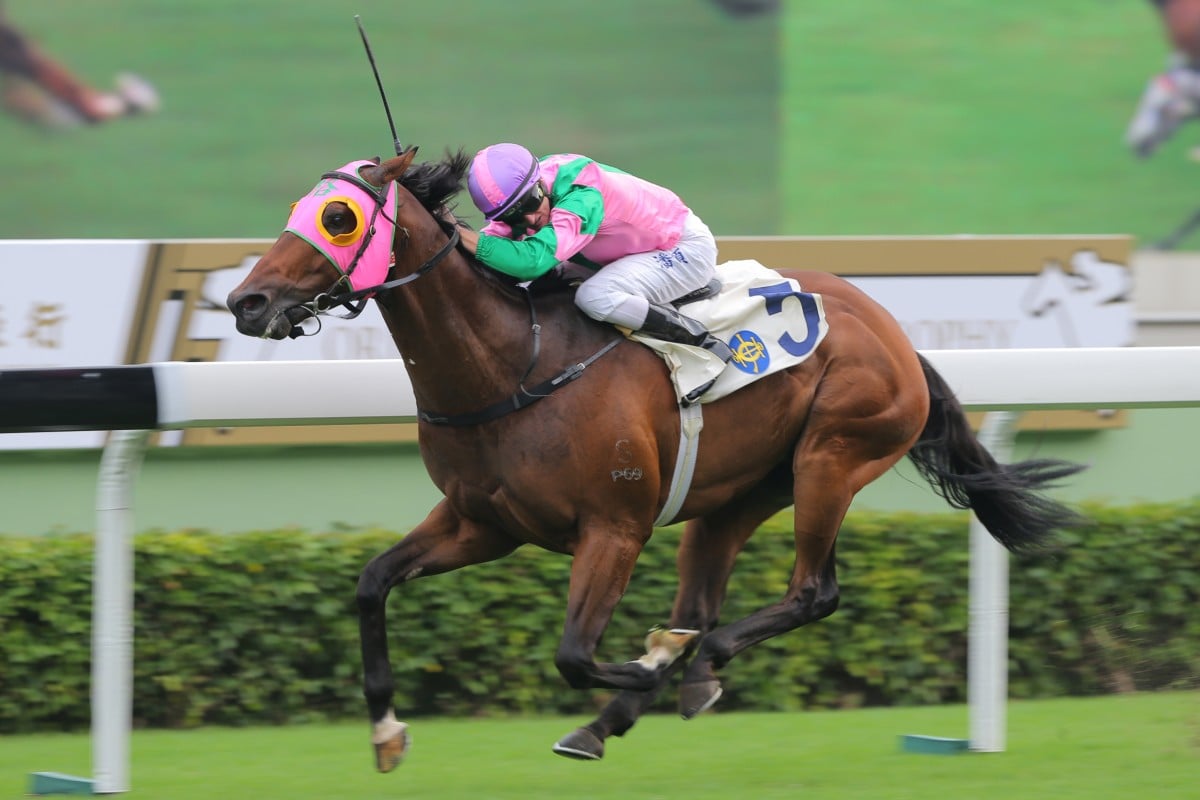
667	323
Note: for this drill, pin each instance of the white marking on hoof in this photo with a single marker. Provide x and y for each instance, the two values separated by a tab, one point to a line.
387	729
391	741
657	657
663	647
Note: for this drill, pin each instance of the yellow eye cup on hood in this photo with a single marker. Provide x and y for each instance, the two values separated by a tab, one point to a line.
341	239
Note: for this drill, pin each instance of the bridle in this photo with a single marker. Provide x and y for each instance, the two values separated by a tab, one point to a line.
355	300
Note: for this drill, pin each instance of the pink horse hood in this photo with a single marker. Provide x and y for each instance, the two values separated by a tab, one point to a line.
365	266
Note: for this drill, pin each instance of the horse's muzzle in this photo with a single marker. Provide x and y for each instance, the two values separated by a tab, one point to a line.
258	316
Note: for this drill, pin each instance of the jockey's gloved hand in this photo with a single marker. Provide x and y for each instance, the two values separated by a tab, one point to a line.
571	273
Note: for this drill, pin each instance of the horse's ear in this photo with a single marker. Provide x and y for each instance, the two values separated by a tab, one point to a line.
390	170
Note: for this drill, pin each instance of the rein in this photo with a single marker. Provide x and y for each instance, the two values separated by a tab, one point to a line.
522	397
325	301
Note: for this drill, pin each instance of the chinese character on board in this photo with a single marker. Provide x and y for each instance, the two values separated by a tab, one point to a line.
46	325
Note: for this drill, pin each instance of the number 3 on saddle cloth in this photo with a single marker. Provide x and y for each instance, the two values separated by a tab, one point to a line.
768	321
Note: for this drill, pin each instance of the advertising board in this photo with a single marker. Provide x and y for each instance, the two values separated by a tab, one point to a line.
102	302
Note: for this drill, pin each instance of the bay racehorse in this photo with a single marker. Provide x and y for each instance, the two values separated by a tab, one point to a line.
543	427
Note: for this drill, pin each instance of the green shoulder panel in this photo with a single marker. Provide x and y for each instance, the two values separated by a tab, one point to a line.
580	198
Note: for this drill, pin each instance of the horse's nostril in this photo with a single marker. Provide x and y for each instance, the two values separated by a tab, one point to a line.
247	306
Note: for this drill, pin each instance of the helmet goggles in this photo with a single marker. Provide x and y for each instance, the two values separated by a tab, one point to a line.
530	202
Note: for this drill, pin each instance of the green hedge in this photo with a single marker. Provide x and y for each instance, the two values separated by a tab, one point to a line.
261	627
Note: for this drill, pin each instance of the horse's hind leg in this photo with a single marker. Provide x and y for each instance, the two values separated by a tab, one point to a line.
833	461
441	543
812	594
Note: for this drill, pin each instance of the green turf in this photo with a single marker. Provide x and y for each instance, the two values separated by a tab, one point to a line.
863	118
956	116
1145	746
260	97
866	117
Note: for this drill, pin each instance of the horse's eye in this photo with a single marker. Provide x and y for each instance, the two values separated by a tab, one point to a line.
339	219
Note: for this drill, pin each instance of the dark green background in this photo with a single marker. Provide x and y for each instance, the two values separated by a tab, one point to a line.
261	97
962	116
826	117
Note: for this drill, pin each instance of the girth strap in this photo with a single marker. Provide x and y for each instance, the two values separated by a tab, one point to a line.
691	422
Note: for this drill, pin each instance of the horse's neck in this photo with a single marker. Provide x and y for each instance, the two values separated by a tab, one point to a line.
464	340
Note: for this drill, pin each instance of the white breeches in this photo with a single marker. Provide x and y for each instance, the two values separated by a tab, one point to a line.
621	292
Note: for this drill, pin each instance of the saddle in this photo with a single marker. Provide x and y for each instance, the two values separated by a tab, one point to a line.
765	336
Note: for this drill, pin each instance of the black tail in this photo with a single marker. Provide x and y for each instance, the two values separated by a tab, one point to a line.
1006	498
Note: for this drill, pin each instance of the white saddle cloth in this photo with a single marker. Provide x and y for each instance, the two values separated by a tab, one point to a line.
769	322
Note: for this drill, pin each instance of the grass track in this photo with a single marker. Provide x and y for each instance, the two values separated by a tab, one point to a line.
1145	746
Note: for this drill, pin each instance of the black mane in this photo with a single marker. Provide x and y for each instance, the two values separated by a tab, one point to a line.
434	183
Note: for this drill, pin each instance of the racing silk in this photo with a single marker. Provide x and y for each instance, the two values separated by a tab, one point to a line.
598	214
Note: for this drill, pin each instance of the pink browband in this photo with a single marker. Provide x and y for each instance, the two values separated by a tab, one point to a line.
363	268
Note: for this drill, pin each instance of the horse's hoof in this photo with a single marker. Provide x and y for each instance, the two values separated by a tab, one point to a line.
391	751
581	744
697	697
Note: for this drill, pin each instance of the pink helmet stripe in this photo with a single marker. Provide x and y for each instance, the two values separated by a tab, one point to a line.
487	181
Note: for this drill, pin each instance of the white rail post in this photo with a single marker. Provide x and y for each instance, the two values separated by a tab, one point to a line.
112	612
987	633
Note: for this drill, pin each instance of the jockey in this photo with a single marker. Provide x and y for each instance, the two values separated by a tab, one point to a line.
639	245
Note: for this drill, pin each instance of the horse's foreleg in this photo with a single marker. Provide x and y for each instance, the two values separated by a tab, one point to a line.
706	555
443	542
617	717
600	570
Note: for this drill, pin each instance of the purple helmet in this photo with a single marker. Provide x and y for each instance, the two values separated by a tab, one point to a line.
500	175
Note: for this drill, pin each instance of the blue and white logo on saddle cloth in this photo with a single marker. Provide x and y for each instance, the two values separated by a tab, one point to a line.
767	320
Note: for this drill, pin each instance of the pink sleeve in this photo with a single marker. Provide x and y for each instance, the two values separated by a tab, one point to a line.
568	233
